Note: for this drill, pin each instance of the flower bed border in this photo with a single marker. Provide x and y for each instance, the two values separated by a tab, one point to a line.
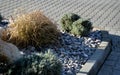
92	66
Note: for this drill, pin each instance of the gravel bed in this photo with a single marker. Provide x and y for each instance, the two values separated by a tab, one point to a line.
73	52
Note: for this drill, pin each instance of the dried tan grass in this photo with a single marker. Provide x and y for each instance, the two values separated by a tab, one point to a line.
32	29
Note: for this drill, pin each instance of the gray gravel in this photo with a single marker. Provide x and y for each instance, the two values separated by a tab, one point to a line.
73	52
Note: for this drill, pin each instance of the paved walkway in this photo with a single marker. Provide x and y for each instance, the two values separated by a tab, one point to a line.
103	13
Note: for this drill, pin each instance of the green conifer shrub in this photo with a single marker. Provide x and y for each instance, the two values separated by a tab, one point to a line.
37	64
67	21
74	24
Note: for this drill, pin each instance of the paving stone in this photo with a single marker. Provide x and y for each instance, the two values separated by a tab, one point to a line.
112	57
118	32
117	67
109	28
116	72
110	62
117	49
112	31
105	70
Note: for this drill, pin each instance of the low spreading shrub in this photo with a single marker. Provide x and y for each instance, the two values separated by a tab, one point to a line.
31	29
81	27
37	64
87	24
67	21
76	25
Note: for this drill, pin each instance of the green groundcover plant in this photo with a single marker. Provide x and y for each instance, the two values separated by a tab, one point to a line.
36	64
67	21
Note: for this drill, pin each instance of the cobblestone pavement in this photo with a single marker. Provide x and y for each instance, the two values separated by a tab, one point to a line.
103	13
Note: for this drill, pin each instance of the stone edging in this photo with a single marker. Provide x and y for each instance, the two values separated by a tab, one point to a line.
92	66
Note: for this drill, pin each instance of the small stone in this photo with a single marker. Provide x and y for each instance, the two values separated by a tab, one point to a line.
67	42
65	61
62	55
85	55
76	61
70	46
93	45
4	22
69	72
89	39
32	48
9	52
61	49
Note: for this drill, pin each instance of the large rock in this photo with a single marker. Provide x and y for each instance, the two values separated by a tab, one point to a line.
8	52
1	31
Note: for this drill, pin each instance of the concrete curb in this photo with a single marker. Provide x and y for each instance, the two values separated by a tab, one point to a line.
92	66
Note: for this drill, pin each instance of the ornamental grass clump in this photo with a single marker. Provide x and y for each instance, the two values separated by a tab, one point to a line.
32	29
74	24
37	64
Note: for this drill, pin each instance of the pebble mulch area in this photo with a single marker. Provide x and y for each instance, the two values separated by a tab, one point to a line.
73	51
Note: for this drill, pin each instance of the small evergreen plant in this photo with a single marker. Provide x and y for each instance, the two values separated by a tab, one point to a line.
74	24
37	64
67	21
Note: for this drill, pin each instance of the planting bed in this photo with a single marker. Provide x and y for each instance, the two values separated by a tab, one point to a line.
78	55
73	52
